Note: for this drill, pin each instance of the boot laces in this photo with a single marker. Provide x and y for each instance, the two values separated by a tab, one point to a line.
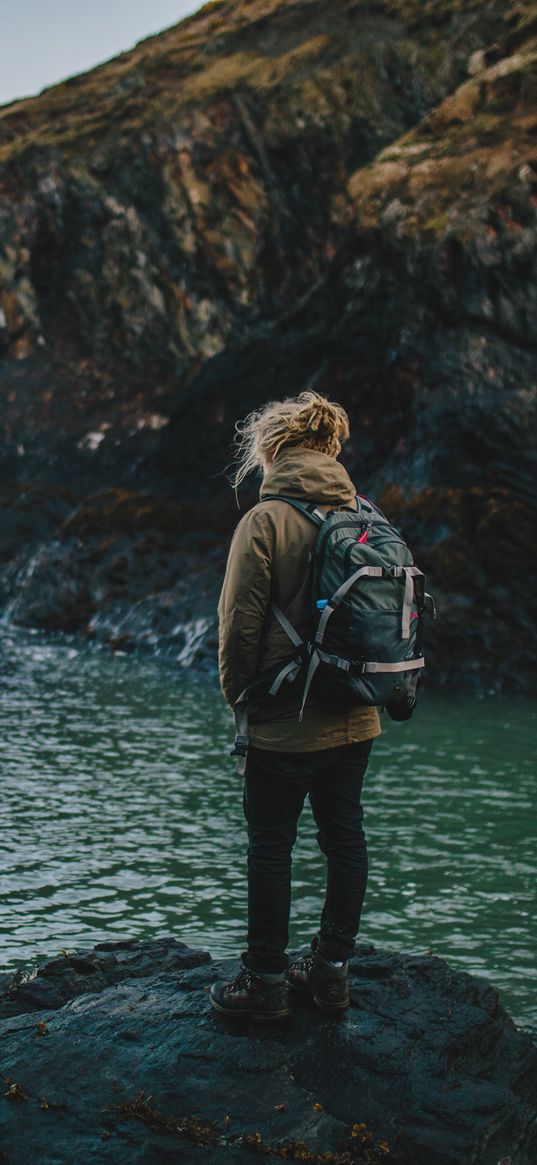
244	979
304	964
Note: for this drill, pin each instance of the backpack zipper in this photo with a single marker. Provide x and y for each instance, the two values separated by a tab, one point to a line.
321	554
322	551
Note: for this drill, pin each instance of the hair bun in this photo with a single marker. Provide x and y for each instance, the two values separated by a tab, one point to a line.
309	420
317	415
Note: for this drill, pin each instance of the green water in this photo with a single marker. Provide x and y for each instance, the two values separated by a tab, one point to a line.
121	816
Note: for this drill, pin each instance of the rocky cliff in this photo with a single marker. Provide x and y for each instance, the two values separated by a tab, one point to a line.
271	194
115	1055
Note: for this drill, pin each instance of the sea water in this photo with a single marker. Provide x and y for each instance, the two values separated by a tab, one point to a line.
122	817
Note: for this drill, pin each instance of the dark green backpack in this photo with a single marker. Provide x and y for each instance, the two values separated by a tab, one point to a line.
368	603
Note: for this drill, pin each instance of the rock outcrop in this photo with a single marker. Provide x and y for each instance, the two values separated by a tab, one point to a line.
268	195
115	1055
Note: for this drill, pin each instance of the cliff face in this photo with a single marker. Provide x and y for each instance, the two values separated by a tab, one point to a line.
265	196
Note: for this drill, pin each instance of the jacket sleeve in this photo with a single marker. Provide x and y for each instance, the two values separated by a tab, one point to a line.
244	602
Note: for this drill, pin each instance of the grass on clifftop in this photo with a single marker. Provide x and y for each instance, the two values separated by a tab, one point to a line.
258	44
476	149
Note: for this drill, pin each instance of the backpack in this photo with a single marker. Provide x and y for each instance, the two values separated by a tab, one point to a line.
368	605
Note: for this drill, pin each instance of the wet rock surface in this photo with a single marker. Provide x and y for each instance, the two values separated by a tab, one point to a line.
114	1055
266	196
126	569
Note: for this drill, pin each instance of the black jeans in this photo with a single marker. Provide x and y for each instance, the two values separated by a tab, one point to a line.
275	789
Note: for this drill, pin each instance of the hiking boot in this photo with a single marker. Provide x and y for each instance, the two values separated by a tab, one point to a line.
262	997
328	983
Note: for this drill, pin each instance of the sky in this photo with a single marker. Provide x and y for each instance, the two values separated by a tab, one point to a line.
45	41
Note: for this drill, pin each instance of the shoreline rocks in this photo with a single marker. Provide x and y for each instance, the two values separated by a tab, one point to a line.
115	1055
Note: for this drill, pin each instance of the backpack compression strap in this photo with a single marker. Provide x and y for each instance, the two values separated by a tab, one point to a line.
410	575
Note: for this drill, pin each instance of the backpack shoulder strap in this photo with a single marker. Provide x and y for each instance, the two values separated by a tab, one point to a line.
309	509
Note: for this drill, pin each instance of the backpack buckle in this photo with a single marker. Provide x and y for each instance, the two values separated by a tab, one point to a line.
240	746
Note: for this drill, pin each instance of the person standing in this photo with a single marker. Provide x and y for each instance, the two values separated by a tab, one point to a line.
322	754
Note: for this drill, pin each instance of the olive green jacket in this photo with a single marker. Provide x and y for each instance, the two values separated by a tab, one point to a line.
270	559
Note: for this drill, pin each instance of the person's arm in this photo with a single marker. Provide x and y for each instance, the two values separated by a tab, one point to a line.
244	602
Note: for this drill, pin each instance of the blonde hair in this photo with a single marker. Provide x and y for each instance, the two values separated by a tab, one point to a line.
308	420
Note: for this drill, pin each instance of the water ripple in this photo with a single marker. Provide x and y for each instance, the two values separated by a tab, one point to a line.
122	816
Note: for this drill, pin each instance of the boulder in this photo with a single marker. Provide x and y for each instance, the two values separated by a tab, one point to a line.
115	1055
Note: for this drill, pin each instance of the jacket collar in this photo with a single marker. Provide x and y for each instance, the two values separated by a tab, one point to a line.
309	476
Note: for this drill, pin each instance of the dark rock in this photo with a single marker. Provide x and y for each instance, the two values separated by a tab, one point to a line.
266	196
52	984
94	577
123	1060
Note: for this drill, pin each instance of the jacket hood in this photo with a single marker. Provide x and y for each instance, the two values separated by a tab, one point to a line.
309	476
